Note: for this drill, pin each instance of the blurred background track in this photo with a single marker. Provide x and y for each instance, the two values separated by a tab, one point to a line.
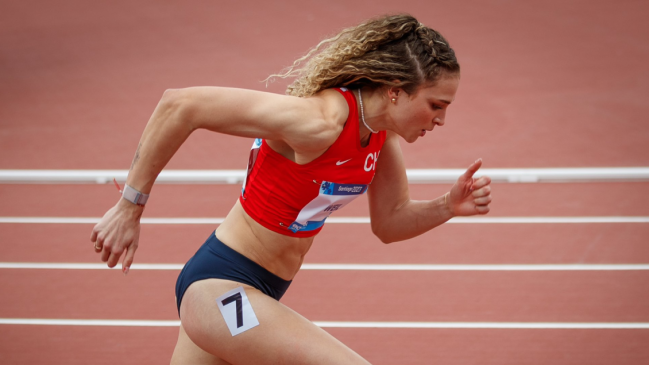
549	84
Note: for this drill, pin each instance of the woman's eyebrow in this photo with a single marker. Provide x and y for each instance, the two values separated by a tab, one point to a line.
442	100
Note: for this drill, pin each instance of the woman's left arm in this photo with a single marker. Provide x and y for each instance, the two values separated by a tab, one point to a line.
396	218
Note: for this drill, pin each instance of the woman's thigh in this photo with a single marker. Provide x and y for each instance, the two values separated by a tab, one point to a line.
282	336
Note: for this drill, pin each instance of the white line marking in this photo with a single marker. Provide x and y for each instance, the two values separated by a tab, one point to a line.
425	176
489	325
330	324
95	220
343	220
353	267
85	266
477	267
88	322
548	220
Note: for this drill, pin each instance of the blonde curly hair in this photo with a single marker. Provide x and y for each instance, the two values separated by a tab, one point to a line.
393	51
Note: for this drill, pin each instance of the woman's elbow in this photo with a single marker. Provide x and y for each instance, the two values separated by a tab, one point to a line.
174	106
382	233
171	100
171	96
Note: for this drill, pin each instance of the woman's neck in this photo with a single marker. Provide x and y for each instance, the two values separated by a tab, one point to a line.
371	113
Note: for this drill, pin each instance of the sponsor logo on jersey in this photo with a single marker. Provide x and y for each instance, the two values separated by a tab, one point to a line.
329	188
332	197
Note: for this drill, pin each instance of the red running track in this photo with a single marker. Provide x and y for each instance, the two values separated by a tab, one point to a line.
546	84
557	199
354	243
551	83
348	296
110	345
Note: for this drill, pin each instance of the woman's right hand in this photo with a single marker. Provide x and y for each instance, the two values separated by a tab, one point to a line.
118	233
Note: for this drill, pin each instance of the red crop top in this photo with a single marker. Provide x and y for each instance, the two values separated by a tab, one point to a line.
295	200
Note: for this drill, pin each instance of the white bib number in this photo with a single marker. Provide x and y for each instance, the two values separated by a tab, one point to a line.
237	311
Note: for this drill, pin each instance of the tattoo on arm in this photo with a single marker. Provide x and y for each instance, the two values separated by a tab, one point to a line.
137	156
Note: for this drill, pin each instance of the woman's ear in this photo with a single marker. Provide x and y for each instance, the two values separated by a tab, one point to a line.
395	91
393	94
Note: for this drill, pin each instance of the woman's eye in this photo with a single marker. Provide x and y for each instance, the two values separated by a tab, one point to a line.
436	107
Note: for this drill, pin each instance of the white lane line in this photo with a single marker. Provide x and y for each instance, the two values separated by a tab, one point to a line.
352	267
489	325
476	267
88	322
344	220
95	220
329	324
85	266
425	176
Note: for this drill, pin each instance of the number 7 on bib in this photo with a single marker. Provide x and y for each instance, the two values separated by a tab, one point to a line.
237	311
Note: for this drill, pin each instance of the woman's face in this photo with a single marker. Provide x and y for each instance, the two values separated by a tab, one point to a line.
416	114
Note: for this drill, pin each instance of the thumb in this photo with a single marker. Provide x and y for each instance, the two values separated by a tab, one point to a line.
468	175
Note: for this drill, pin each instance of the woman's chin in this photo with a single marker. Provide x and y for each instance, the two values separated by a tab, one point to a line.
412	139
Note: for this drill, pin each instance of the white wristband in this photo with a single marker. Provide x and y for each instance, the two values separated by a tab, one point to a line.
134	196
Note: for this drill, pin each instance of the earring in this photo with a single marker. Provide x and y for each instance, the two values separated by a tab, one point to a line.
394	100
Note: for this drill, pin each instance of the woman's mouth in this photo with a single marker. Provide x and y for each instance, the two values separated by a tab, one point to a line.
423	132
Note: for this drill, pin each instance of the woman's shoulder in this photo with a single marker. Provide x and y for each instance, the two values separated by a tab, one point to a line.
334	108
330	112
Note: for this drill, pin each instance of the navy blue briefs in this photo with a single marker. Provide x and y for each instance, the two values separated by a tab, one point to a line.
215	260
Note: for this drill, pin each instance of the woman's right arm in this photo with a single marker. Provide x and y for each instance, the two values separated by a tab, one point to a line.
299	122
246	113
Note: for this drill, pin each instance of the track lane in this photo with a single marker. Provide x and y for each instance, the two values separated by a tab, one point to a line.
579	119
86	345
126	346
347	296
497	347
112	85
355	243
589	199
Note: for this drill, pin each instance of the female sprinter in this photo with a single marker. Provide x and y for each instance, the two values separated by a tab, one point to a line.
315	150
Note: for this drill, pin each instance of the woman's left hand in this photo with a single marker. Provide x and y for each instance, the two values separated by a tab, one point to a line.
470	196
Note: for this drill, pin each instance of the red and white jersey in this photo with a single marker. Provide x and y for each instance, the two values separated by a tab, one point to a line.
295	200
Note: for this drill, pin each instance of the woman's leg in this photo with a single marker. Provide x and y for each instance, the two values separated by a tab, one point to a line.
282	336
186	352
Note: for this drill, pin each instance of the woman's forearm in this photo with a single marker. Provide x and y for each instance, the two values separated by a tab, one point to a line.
165	132
412	219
